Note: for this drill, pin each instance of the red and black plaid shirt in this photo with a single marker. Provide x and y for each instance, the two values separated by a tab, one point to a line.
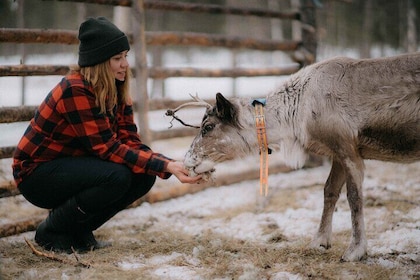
68	124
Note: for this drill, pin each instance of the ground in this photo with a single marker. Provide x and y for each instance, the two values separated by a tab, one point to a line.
230	232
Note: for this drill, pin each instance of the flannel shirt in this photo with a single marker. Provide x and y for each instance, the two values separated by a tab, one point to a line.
68	123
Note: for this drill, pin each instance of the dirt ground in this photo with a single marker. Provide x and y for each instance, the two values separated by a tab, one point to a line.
221	233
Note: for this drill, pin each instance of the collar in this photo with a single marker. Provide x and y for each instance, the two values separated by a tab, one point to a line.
262	142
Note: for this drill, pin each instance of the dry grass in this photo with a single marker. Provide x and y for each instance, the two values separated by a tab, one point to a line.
210	255
215	256
150	248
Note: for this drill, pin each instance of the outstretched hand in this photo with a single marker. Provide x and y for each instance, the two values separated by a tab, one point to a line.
178	169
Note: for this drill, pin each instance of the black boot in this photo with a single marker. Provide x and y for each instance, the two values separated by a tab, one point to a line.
92	223
65	230
87	242
55	241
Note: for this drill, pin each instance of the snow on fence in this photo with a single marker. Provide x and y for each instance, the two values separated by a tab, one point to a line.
301	50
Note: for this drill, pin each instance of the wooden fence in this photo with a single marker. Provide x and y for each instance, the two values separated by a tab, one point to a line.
302	50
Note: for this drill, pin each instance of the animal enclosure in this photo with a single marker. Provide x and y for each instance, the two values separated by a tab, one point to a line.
301	50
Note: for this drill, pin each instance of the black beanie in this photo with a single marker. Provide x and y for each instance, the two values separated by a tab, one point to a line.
100	39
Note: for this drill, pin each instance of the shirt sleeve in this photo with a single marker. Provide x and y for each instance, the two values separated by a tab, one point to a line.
94	132
126	128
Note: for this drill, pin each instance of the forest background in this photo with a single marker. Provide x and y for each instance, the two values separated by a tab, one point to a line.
369	27
355	28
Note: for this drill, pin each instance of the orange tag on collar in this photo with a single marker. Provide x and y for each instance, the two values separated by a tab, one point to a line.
262	142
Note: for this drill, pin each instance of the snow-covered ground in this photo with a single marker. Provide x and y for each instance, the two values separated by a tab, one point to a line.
291	211
390	231
228	214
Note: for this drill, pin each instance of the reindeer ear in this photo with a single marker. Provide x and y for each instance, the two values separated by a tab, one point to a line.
225	110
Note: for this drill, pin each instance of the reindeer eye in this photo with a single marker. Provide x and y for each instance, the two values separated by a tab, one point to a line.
207	128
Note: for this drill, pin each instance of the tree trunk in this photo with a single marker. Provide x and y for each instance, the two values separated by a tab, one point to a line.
365	45
411	27
142	98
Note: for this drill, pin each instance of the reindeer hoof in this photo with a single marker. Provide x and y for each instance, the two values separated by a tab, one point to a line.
354	255
320	243
320	247
352	258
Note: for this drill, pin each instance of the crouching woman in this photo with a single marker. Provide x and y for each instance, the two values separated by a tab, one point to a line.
81	156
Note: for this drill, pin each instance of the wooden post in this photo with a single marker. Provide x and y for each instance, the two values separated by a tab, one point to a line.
141	96
411	27
158	85
367	28
122	18
308	19
22	49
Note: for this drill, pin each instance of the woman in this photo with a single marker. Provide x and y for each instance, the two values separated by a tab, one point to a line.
81	155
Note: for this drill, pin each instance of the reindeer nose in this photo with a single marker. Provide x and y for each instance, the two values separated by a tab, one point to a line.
204	166
189	161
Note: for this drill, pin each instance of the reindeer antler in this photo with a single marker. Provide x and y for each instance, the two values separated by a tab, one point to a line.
198	102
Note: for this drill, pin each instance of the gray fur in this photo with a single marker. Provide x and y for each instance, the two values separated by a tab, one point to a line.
347	109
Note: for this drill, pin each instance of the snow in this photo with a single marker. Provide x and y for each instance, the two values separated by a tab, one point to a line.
188	213
389	232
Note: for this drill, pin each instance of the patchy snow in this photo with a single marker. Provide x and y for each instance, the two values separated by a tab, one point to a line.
196	214
235	210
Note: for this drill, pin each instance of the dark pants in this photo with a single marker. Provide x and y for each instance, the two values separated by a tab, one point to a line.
101	188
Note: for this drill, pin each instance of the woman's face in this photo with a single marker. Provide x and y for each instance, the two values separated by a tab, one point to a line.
119	65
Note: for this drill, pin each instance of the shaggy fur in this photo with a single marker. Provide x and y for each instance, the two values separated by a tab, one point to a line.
347	109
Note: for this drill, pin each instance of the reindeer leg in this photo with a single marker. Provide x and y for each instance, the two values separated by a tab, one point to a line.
332	191
358	243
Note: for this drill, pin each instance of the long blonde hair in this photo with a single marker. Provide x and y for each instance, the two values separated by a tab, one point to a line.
104	85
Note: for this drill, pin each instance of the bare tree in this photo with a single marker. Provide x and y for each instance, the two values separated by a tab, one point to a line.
366	40
411	43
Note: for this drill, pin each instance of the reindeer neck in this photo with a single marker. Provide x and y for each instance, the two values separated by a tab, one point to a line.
282	112
285	102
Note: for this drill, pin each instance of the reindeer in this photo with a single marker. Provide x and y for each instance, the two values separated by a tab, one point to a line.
346	109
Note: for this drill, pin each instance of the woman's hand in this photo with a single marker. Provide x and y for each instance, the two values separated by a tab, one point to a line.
177	169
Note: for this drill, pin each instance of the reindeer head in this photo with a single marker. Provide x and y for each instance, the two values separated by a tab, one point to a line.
225	134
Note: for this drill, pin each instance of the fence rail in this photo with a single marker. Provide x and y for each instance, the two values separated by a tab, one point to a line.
154	72
195	8
158	38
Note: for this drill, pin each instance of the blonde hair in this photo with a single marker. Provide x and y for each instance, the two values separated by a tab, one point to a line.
104	85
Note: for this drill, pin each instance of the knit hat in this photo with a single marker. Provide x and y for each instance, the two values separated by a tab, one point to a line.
100	39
